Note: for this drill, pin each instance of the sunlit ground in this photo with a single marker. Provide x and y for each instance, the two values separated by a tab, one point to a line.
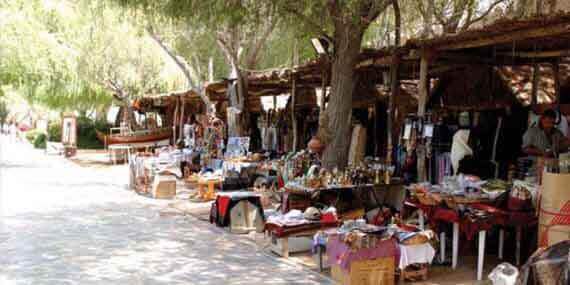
64	224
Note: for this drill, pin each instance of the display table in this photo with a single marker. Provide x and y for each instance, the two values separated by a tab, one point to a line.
343	198
382	259
280	234
208	183
475	227
119	148
241	211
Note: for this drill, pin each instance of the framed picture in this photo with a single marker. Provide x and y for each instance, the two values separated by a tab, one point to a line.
69	131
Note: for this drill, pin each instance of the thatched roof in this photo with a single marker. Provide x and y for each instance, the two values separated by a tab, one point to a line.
519	79
553	30
507	45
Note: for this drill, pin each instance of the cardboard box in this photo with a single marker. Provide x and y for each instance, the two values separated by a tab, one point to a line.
366	272
164	187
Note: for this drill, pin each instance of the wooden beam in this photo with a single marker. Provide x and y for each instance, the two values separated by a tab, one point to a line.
423	92
537	54
502	38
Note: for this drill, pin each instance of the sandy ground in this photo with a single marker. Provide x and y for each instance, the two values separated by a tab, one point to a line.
65	224
184	218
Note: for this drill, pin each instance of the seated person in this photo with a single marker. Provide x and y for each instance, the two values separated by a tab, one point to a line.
544	139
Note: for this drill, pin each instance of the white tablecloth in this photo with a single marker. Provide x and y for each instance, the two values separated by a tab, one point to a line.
410	254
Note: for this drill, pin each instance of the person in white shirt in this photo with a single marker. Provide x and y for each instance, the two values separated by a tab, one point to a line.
460	147
13	131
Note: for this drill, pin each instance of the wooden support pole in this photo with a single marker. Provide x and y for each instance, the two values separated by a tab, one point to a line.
556	70
394	91
293	118
274	103
174	120
423	84
535	83
323	91
181	130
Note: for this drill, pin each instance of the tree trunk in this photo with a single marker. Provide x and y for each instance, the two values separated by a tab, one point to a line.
427	29
394	84
347	39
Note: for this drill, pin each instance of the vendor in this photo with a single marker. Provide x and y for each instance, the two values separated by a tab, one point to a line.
544	139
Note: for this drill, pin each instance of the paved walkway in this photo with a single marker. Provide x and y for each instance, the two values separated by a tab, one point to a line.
64	224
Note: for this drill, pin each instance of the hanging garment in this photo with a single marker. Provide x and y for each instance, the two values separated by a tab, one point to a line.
357	145
272	138
460	148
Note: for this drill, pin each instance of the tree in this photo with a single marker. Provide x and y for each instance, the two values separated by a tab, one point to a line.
78	53
344	23
451	16
240	29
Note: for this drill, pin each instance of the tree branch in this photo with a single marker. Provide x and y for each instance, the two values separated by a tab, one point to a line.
179	61
183	65
482	16
252	59
374	9
315	27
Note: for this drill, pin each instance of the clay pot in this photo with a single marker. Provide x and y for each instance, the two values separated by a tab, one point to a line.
315	145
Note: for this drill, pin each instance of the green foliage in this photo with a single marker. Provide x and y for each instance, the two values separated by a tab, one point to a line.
40	141
63	54
31	135
36	138
3	111
54	131
87	135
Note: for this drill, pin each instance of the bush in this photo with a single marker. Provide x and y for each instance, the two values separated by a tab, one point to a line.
40	141
54	132
87	135
31	135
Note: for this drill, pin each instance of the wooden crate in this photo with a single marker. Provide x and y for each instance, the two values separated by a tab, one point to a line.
366	272
164	187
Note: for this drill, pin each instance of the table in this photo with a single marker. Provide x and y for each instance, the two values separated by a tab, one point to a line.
113	149
252	217
284	232
350	194
438	214
210	183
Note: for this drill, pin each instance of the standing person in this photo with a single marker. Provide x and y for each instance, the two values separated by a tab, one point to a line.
13	131
543	139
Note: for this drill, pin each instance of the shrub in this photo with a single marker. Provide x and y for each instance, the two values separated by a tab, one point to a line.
86	134
54	132
40	141
31	135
